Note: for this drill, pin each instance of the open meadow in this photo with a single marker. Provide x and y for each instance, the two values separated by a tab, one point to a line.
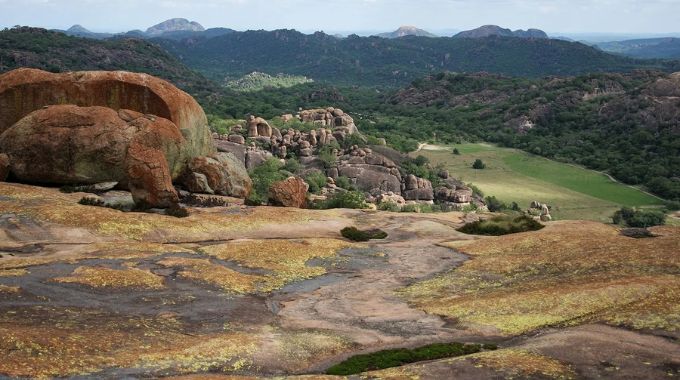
515	176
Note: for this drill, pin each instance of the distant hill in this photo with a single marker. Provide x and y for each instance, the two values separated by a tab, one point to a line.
57	52
407	31
390	62
667	48
259	81
80	31
174	25
497	31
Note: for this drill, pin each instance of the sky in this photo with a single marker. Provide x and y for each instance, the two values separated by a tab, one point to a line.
558	16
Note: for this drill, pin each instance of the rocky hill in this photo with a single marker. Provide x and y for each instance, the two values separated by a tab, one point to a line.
497	31
389	62
404	31
174	25
56	52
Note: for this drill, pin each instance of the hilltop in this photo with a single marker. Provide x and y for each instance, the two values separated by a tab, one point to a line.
497	31
404	31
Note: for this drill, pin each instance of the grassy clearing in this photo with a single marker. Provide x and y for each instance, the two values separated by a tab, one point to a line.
515	176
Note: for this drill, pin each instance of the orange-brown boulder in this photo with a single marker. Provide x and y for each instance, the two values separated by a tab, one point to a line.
23	91
291	192
224	175
68	144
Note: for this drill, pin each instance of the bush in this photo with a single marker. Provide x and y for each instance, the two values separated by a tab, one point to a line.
456	151
177	211
639	218
326	155
355	234
476	190
344	183
502	225
347	199
401	356
292	165
479	164
495	205
316	181
389	206
263	176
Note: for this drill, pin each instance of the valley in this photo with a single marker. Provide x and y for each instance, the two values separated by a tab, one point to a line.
515	176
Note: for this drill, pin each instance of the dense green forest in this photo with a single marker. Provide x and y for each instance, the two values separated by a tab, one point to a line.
622	124
57	52
391	62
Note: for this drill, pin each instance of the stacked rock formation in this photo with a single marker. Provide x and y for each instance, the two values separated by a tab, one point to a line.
92	127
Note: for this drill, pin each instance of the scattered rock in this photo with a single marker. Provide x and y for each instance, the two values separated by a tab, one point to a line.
291	192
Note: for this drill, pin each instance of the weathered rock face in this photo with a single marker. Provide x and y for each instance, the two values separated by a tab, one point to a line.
221	173
70	144
4	166
23	91
417	189
291	192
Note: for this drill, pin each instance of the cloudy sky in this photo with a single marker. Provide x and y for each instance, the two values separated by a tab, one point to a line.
565	16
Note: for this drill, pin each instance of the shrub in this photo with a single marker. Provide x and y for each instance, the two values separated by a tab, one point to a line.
344	183
355	234
316	181
502	225
495	205
476	190
456	151
479	164
292	165
177	211
347	199
389	206
401	356
326	155
639	218
263	176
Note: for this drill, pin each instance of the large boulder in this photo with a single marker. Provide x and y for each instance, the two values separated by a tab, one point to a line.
372	178
23	91
221	173
68	145
291	192
85	145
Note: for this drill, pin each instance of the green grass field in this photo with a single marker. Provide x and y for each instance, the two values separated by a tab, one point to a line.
516	176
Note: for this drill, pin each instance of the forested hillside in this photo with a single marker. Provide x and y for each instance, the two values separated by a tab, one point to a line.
391	62
57	52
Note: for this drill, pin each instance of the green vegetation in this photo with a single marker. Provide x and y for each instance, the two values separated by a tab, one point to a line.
263	176
515	176
316	180
345	199
355	234
257	81
639	218
398	357
390	62
478	164
502	225
57	52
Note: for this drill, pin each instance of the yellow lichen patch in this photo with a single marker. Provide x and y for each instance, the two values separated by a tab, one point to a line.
285	259
122	250
567	273
407	372
49	205
100	277
300	349
520	364
47	342
203	270
13	272
9	289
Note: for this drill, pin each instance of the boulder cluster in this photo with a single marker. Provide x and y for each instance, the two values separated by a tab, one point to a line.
84	128
540	211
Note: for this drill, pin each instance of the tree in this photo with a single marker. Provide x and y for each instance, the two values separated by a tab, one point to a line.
479	164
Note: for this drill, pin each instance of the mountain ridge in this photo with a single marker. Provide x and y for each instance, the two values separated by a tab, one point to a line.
495	30
407	30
